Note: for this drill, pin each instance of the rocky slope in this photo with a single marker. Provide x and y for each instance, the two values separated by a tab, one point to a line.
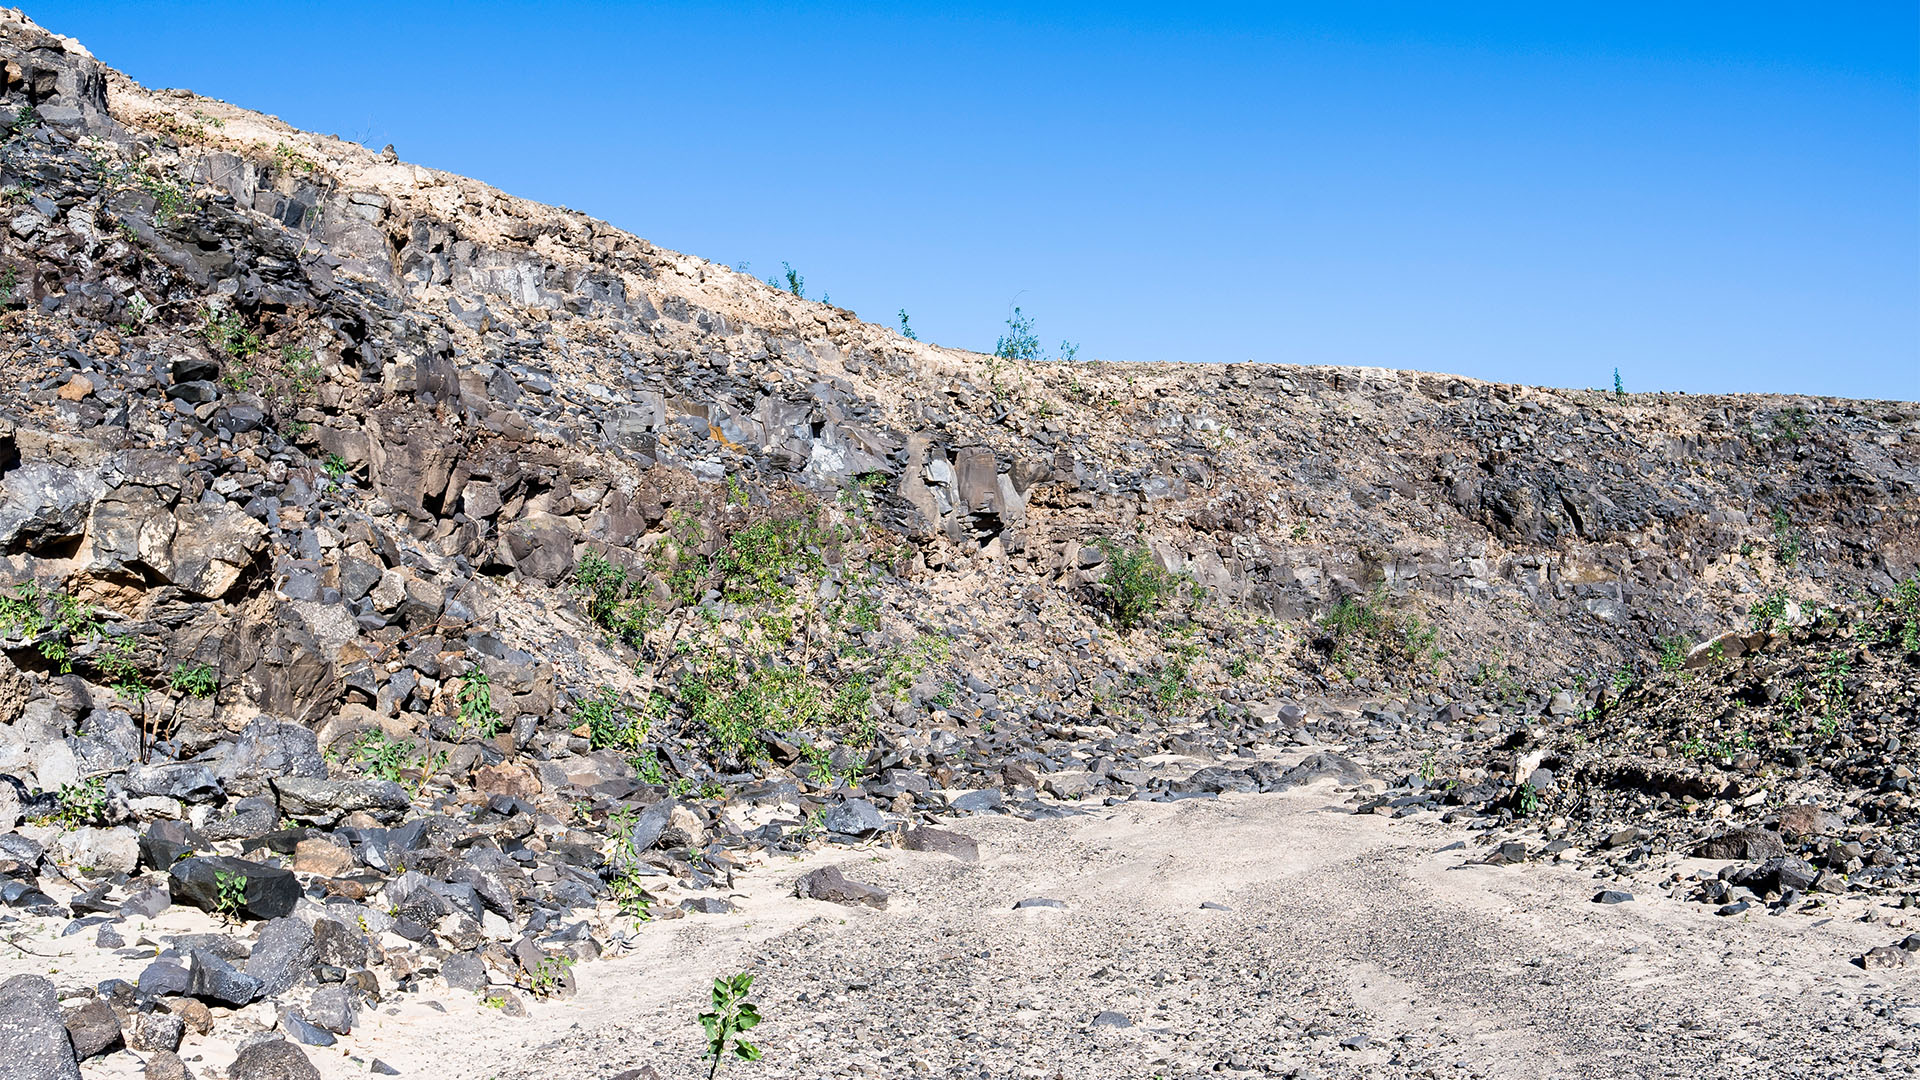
451	580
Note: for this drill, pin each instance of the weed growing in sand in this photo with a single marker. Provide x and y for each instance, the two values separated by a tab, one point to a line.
1528	800
1673	653
906	328
1769	616
731	1016
81	804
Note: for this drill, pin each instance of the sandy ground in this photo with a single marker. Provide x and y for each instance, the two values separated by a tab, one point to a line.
1341	929
1349	946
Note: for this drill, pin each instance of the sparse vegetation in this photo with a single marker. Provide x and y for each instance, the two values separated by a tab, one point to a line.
230	895
55	623
1019	342
1135	587
193	680
731	1016
478	716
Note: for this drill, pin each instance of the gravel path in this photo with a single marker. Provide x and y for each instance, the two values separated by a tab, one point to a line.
1347	947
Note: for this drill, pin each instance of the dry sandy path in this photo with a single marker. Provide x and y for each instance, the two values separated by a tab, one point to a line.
1342	929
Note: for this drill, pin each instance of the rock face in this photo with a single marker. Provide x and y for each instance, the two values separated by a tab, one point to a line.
449	574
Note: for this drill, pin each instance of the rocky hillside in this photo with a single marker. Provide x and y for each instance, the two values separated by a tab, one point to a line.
440	575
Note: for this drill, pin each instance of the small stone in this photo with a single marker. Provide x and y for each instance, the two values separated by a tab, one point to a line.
160	1031
1612	896
828	883
273	1059
75	389
214	979
944	841
94	1028
166	1065
307	1034
1111	1019
1039	902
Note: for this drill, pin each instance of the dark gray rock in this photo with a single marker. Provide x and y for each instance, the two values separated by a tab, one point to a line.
464	971
183	780
339	944
1742	844
213	979
155	1030
1612	896
93	1028
326	801
33	1043
162	977
301	1031
335	1008
652	823
167	842
986	800
1039	902
273	1059
270	892
855	817
281	955
1319	766
828	883
944	841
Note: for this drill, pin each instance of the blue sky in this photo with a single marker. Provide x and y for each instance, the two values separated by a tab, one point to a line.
1705	196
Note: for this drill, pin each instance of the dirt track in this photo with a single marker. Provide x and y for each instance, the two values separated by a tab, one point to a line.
1351	948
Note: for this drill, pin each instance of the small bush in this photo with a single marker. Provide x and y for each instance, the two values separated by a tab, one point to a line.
194	680
478	717
1135	587
1019	342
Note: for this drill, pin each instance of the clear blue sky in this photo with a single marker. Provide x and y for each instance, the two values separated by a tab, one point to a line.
1706	196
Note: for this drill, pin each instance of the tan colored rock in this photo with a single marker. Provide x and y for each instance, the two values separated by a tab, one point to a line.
323	857
76	388
514	781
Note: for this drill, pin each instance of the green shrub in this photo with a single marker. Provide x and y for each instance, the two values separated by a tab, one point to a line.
194	680
731	1015
478	717
1135	587
1019	342
609	594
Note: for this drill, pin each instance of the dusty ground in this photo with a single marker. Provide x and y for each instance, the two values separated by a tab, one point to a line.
1349	946
1340	927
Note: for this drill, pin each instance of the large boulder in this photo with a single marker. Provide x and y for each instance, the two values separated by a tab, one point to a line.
269	892
326	801
42	505
282	953
34	1044
213	546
